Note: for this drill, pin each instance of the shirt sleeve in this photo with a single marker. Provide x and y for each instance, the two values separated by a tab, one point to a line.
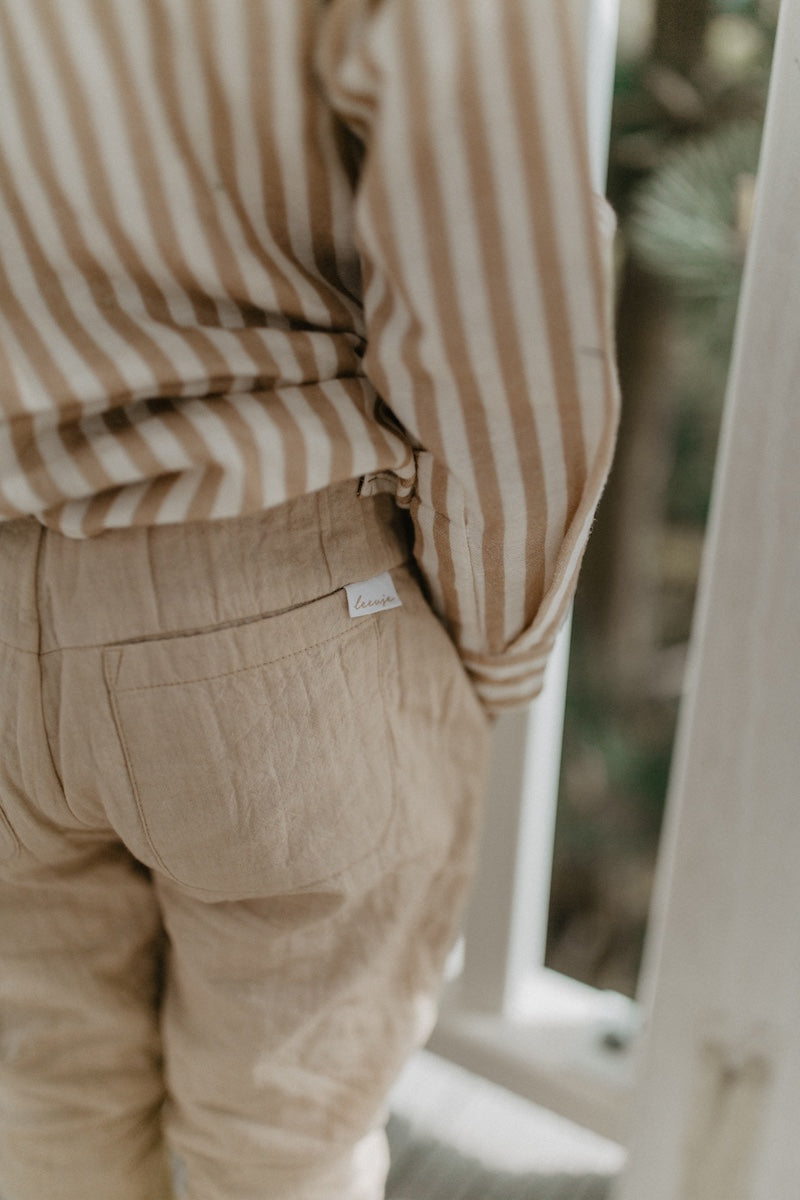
486	267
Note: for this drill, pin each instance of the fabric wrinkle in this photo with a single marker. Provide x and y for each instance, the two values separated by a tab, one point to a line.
321	830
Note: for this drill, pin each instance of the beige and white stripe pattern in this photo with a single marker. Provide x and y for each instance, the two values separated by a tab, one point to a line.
249	248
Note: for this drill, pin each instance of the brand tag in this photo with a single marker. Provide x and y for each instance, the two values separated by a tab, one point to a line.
373	595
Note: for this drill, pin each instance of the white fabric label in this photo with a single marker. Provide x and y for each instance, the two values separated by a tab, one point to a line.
372	595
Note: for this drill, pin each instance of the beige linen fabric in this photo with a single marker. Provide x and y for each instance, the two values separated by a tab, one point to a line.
236	827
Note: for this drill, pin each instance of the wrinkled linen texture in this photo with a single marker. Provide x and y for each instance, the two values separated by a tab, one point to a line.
237	828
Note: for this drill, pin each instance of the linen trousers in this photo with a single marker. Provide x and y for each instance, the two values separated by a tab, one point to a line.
236	830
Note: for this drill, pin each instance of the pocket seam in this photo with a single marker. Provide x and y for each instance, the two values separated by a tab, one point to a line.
114	655
123	742
150	687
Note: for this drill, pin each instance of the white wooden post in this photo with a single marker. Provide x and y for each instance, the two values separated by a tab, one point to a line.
717	1103
506	925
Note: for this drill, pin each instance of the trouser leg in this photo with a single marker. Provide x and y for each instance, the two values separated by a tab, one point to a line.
80	1084
287	1017
305	790
285	1023
80	941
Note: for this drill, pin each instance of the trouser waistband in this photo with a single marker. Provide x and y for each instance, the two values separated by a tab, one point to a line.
58	592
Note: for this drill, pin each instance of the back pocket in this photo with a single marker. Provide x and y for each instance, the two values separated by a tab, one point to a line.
258	754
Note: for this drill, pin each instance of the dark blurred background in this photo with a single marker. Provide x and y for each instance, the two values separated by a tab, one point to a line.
690	92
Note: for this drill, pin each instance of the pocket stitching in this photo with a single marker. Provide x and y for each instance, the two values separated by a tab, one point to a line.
114	691
112	695
150	687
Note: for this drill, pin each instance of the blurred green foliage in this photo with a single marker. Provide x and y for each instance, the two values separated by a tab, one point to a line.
683	156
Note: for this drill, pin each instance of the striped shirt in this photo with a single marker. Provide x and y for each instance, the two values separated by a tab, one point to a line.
250	248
